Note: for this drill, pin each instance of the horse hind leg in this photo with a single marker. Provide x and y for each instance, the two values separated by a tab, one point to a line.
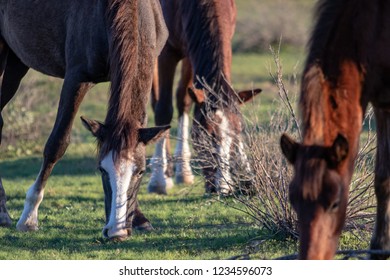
381	236
160	179
72	94
14	70
182	156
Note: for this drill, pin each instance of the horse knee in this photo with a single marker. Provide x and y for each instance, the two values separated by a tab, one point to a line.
163	114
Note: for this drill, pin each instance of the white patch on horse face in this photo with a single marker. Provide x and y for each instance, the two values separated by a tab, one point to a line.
29	218
223	179
243	157
120	175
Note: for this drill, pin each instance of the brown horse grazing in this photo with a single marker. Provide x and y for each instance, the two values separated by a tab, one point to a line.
347	67
85	43
200	34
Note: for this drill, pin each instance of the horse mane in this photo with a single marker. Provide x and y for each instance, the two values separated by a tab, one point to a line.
344	30
126	109
340	40
203	24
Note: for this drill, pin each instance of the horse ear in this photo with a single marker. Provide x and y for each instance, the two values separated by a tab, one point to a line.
338	151
246	95
147	135
95	127
197	95
289	148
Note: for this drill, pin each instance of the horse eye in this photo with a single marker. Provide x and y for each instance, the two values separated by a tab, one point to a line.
141	172
334	206
101	169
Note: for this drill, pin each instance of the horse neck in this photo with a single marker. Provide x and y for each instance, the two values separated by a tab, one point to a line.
212	63
130	60
329	107
342	44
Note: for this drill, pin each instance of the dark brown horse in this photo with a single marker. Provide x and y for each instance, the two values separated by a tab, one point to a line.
200	34
347	67
87	42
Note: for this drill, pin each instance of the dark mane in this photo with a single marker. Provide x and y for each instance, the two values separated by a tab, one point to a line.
208	58
343	31
126	66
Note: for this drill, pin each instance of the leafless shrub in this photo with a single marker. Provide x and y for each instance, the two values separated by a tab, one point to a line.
265	199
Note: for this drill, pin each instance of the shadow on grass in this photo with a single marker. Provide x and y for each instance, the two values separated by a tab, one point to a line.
29	167
71	246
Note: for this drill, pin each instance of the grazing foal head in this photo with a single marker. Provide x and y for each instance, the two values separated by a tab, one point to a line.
216	135
323	164
121	171
318	194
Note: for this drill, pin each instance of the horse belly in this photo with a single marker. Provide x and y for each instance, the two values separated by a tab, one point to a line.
50	64
36	43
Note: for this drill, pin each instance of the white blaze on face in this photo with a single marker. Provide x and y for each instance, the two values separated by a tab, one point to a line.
120	175
243	157
223	179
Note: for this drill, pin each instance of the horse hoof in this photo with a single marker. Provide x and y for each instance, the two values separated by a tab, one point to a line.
5	220
184	179
160	188
210	189
144	227
26	227
118	238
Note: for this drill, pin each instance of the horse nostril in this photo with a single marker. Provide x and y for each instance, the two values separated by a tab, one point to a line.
105	233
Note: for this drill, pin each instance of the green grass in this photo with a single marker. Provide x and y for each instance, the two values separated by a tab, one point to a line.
187	224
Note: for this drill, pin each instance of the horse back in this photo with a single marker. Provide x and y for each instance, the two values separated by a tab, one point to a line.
55	37
180	15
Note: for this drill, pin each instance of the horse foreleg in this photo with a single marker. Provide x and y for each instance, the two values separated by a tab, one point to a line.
139	221
381	236
5	219
160	179
71	96
14	70
182	156
155	87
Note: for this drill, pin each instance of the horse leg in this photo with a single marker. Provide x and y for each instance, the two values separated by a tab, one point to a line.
242	169
381	236
183	172
160	179
155	88
14	70
139	221
72	94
